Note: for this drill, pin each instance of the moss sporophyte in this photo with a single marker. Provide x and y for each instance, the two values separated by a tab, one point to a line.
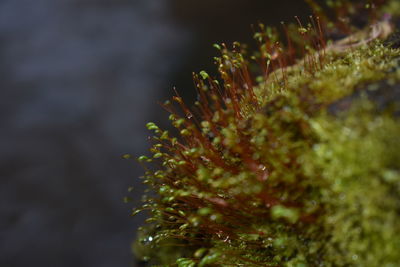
291	156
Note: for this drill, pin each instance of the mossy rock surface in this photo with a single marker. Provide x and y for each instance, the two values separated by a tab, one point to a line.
309	175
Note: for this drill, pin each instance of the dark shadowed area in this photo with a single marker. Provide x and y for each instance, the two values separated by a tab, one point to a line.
79	80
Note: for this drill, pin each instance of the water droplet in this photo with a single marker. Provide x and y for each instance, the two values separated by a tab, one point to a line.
227	239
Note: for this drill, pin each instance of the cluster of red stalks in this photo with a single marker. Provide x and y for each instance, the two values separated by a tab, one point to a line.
230	101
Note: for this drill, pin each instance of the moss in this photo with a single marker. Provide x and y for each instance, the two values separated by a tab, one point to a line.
358	155
268	175
344	72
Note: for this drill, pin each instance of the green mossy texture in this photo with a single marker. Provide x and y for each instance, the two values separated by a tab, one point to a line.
290	184
359	156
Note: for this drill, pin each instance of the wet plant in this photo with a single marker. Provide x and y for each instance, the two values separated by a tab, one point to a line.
265	169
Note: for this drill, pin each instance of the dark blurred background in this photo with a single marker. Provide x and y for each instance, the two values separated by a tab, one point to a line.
79	80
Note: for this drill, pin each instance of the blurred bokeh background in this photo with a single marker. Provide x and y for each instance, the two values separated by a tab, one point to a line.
79	80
